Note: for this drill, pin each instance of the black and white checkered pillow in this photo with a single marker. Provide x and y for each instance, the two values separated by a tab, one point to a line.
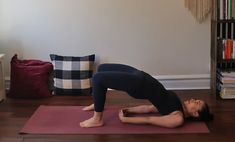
72	75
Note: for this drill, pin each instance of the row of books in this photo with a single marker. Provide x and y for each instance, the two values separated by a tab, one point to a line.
227	9
226	49
226	85
226	30
226	66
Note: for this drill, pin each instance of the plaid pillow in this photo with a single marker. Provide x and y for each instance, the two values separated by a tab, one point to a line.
72	75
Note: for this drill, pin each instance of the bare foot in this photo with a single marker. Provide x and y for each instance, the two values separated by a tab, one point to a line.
92	122
89	108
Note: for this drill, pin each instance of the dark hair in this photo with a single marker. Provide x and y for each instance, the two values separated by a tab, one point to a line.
205	114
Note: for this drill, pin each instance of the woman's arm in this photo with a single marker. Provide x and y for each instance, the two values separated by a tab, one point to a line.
172	120
141	109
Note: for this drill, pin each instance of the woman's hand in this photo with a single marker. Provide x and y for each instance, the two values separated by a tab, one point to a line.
122	115
171	120
125	112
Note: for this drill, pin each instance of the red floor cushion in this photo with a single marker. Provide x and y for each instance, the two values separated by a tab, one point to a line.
29	78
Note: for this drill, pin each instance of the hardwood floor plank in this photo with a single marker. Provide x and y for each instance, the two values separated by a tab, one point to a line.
11	139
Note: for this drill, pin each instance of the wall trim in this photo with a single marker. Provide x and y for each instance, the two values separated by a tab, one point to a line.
7	82
185	82
172	82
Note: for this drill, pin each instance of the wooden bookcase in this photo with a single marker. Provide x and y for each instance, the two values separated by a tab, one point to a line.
222	31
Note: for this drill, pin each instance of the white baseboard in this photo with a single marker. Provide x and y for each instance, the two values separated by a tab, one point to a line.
173	82
7	82
185	82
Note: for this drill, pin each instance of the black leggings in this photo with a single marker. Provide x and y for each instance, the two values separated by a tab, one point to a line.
115	76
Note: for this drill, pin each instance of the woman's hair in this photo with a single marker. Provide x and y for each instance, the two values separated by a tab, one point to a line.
204	114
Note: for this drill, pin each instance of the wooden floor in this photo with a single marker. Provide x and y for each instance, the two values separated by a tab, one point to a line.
15	112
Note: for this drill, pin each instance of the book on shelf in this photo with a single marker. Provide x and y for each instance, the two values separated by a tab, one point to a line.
229	80
227	74
226	9
233	48
226	77
233	9
227	90
229	44
220	50
227	96
227	85
226	49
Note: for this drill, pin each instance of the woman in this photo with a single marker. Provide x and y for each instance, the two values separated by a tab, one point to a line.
141	85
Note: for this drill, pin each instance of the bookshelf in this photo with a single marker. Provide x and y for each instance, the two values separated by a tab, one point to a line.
223	49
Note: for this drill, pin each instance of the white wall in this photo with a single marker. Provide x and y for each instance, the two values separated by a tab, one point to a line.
158	36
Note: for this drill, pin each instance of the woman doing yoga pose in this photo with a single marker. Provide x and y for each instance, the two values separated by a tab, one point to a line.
141	85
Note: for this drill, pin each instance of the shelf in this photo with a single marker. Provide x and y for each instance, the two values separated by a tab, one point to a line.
226	61
222	41
224	21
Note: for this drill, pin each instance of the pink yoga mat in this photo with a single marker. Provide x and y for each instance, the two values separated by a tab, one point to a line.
65	120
